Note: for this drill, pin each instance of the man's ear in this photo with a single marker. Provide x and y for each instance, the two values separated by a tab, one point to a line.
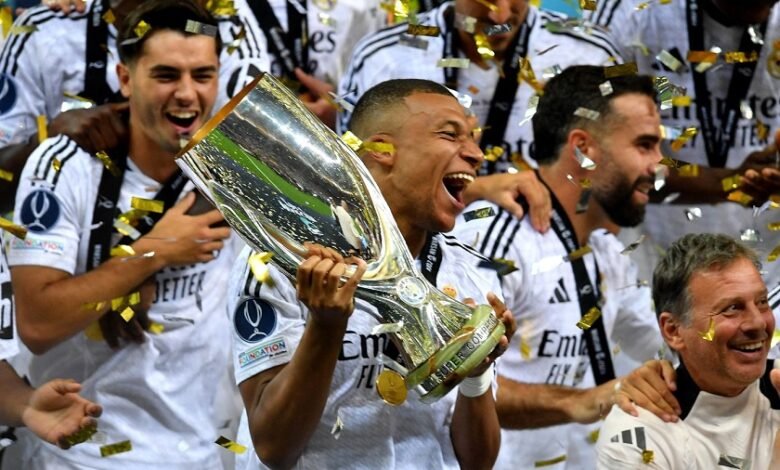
379	149
123	72
671	330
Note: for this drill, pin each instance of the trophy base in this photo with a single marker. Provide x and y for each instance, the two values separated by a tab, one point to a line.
444	370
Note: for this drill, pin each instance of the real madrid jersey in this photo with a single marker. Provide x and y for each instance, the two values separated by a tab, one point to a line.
387	55
548	347
357	429
645	34
8	342
334	26
47	59
713	432
159	394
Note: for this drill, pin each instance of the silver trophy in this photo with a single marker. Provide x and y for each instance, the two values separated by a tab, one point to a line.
282	178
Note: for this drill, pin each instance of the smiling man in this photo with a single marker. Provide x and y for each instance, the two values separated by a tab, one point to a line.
574	295
158	389
314	403
713	311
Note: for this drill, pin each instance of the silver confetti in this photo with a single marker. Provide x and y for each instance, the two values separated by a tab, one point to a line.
416	42
750	235
453	62
669	60
387	328
606	88
587	113
583	160
660	177
530	110
633	246
338	426
465	23
755	35
693	213
492	30
551	71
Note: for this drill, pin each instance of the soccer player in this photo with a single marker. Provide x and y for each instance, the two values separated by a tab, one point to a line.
713	311
597	155
159	386
326	358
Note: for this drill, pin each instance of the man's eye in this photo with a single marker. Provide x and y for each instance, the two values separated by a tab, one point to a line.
448	134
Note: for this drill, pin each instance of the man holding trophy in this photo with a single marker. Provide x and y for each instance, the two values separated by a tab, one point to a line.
309	368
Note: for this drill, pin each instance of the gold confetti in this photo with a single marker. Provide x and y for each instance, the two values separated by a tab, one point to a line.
709	335
82	435
525	348
108	163
670	162
493	153
116	448
593	436
584	200
553	461
127	314
502	266
682	101
134	298
731	183
232	446
196	27
22	29
381	147
6	175
740	197
740	57
56	164
258	266
93	331
620	70
109	16
702	56
641	6
473	90
122	251
453	62
527	75
490	6
589	318
16	230
6	20
686	135
156	328
149	205
423	30
483	47
43	133
773	226
141	29
221	7
326	19
449	290
352	140
647	456
126	229
588	5
688	171
762	130
579	253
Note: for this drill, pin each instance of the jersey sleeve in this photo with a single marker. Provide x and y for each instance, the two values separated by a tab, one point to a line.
22	83
626	442
8	342
52	205
266	318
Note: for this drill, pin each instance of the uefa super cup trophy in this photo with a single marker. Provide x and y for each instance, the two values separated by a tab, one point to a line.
282	178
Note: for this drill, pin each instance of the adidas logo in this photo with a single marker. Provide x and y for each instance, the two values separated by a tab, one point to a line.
559	294
634	436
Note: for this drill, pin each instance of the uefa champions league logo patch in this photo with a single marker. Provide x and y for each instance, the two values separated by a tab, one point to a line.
7	93
40	211
254	319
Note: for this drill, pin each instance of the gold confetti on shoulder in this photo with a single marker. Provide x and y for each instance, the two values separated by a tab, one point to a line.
232	446
647	456
547	463
621	70
116	448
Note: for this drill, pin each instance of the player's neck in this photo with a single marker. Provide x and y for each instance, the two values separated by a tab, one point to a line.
152	160
568	194
415	237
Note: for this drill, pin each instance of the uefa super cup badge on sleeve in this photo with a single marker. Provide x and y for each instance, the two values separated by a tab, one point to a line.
282	178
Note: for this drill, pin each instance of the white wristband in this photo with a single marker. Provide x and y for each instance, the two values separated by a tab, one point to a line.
477	386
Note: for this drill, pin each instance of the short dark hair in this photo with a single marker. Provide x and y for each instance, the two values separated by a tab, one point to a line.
388	93
578	87
690	254
163	15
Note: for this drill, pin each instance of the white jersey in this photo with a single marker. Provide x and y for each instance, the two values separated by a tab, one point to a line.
664	27
713	432
334	29
8	342
385	56
158	395
548	347
268	323
33	79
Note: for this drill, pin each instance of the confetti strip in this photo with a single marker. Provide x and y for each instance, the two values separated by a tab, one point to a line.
122	251
589	318
156	328
127	314
483	47
196	27
495	29
527	75
338	426
670	61
148	205
16	230
108	163
501	266
6	175
696	57
221	7
659	180
583	160
606	88
43	132
327	20
647	456
493	153
141	29
740	198
739	57
232	446
22	29
578	253
116	448
693	213
589	5
82	435
773	226
490	6
481	213
233	45
109	16
709	335
633	246
682	101
621	70
731	183
688	171
465	23
587	113
453	62
387	328
547	463
423	30
258	266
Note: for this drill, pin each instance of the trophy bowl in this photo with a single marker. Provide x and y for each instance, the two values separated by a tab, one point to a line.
282	178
